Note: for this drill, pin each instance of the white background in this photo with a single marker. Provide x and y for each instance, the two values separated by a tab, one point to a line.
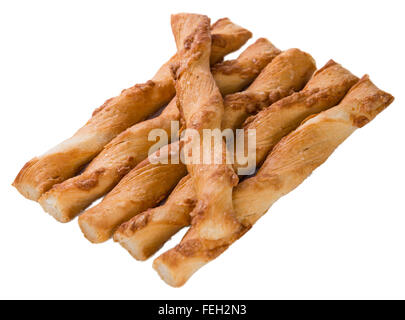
341	234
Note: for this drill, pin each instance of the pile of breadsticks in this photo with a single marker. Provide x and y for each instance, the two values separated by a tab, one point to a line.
300	116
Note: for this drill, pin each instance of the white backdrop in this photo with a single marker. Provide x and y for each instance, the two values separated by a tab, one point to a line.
339	235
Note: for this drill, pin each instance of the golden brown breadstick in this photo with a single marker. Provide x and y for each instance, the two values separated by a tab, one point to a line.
291	162
64	201
326	88
226	37
214	224
286	62
114	116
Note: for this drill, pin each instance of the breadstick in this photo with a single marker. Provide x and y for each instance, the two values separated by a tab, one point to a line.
64	201
284	64
290	163
214	224
326	88
114	116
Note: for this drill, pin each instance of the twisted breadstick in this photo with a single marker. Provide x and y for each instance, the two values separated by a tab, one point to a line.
114	116
276	73
144	234
64	201
214	224
291	162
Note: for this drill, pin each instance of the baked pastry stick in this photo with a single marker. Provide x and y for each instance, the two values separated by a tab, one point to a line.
145	233
99	222
114	116
290	163
64	201
214	224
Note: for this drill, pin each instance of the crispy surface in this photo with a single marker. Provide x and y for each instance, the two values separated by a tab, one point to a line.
64	201
327	87
226	37
115	115
201	104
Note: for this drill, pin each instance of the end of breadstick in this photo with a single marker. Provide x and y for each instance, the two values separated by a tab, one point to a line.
28	191
225	25
132	246
90	231
24	184
142	237
235	75
50	205
365	101
191	31
225	33
175	269
126	236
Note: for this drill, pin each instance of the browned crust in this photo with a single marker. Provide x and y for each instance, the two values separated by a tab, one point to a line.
236	36
232	66
249	62
202	107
